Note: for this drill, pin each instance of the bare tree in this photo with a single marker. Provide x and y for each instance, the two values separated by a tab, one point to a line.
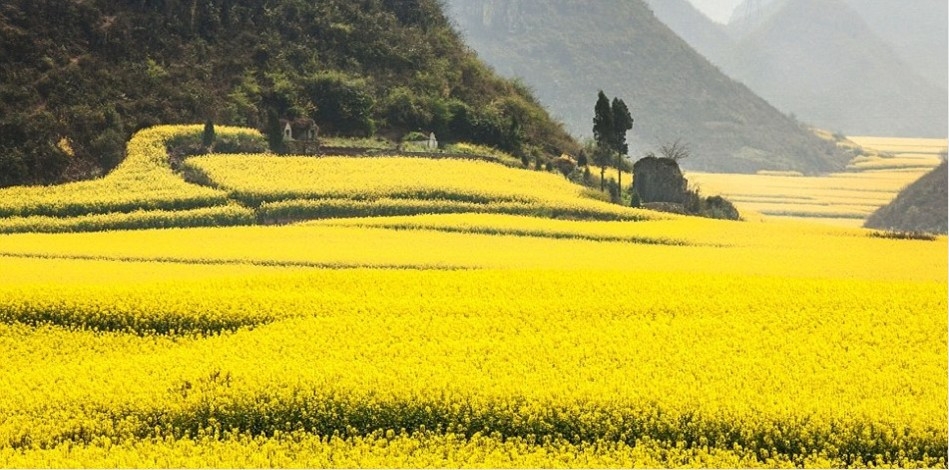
677	150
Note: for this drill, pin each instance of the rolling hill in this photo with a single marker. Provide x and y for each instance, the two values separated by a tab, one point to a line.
921	207
78	78
566	50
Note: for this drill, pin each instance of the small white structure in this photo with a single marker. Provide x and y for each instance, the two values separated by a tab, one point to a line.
430	144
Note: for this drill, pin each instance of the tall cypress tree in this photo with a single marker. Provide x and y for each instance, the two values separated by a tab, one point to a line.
603	134
622	122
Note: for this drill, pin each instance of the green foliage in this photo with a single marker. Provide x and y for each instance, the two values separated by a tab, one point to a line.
372	143
603	122
920	207
207	137
344	104
402	108
613	188
622	123
717	207
414	136
903	235
611	122
274	133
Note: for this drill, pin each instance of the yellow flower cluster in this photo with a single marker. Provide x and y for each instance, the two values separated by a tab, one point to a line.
395	450
571	344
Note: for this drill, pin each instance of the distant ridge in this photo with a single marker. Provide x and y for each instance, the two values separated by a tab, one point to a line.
858	67
917	30
921	207
566	50
707	37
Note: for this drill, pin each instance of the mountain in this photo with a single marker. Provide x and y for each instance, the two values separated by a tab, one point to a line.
707	37
567	50
918	30
921	207
78	77
820	60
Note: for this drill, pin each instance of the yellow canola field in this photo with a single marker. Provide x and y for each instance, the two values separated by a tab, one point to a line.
468	340
143	181
748	368
388	450
851	196
305	187
261	178
723	247
843	199
902	145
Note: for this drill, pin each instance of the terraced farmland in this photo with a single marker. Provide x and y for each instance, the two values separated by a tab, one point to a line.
844	199
468	339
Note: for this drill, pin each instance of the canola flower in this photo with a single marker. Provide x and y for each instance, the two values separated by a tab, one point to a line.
901	145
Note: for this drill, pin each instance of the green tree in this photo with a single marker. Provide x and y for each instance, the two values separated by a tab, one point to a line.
622	123
207	138
274	132
603	134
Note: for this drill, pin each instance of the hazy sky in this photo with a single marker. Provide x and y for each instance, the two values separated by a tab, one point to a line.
718	10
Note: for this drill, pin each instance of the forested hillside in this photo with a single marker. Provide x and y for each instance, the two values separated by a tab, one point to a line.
77	78
568	49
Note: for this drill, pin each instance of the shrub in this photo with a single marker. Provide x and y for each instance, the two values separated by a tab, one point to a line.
717	207
903	235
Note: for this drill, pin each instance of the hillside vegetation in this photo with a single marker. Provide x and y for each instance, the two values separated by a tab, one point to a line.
78	78
921	207
567	49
